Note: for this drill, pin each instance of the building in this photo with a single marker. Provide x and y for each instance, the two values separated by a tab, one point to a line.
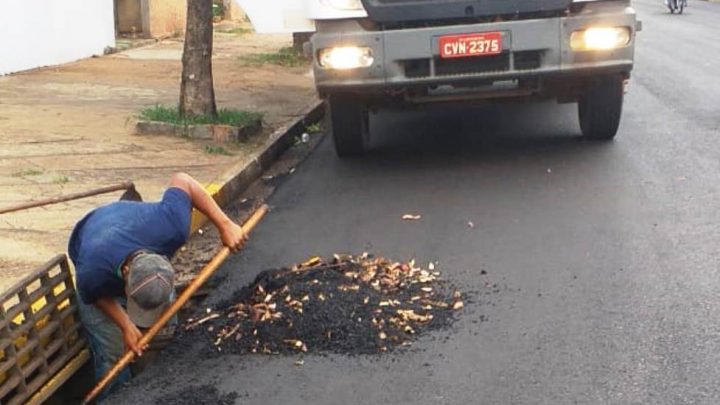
150	18
51	32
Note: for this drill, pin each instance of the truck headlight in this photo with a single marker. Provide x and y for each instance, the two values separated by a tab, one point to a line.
344	4
345	57
600	38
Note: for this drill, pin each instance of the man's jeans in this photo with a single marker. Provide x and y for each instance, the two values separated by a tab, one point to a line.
106	343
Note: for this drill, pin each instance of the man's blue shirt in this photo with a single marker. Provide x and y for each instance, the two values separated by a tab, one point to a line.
103	239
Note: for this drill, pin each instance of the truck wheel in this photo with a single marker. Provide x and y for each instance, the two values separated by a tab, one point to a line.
600	107
349	121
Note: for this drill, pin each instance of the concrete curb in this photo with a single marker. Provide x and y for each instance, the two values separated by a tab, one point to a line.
237	178
215	132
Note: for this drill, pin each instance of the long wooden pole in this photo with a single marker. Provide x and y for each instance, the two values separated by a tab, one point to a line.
201	278
125	185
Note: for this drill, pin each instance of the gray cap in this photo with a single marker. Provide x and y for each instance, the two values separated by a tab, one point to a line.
150	284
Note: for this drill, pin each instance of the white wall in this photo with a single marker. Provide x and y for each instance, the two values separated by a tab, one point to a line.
36	33
281	16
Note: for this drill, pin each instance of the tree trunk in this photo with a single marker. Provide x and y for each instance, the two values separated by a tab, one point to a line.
197	95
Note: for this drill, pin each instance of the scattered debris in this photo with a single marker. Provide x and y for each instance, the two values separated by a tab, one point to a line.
411	217
349	304
191	323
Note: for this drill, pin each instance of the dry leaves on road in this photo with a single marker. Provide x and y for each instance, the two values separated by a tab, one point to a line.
348	304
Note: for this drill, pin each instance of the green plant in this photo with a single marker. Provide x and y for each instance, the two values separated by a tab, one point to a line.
237	31
313	128
30	171
226	116
216	150
288	57
217	10
62	179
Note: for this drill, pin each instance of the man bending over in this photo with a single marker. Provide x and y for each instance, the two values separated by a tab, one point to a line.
124	278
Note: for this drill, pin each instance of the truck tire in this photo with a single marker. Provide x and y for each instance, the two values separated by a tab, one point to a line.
349	120
600	108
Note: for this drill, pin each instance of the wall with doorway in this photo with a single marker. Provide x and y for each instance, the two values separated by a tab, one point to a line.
129	16
50	32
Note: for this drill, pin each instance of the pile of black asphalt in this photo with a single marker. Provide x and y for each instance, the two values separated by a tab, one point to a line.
347	305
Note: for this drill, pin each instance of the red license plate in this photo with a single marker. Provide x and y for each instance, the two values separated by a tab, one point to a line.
464	45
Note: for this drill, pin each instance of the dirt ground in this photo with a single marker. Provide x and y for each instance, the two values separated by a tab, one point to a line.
70	128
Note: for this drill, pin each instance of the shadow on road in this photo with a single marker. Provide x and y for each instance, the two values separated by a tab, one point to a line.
450	136
464	130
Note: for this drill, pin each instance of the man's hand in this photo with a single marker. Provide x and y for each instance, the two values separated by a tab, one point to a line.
131	336
233	236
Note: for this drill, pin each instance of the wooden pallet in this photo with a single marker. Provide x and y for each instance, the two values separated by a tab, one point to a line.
39	331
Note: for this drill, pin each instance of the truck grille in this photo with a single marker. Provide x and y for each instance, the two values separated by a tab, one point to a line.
523	60
397	12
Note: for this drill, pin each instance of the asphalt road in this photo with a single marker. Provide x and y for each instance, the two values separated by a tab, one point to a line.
606	253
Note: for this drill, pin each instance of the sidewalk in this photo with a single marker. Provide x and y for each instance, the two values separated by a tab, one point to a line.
71	128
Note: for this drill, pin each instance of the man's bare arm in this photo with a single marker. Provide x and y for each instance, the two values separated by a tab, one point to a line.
232	234
114	311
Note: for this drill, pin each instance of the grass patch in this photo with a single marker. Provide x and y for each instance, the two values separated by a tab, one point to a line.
226	116
31	171
61	179
288	57
216	150
236	31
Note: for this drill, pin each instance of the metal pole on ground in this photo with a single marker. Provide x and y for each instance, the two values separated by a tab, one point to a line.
128	186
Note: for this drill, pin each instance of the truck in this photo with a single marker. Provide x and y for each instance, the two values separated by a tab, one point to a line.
376	54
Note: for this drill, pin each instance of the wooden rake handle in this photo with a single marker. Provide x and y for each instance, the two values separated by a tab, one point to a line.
199	280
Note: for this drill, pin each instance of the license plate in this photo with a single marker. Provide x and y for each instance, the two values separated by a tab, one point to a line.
464	45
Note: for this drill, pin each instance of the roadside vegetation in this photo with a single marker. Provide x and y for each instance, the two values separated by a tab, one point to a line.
217	150
313	128
61	179
236	31
225	116
30	171
287	57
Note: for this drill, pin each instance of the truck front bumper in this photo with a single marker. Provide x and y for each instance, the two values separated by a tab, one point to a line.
406	58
